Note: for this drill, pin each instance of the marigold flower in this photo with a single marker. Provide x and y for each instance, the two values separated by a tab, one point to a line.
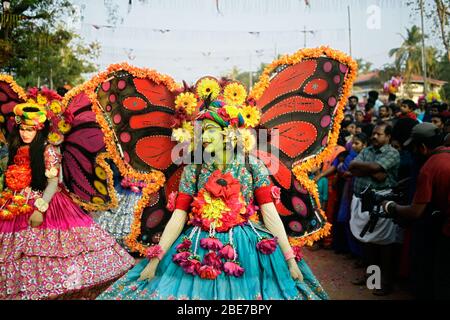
235	94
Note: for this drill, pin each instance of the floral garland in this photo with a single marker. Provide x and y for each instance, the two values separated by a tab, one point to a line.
14	86
301	170
219	204
17	178
232	112
220	207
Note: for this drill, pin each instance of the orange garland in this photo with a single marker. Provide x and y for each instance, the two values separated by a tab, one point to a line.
301	171
14	86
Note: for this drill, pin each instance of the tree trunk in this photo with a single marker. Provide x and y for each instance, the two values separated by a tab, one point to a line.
442	11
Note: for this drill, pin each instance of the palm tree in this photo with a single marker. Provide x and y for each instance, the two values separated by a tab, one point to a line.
408	57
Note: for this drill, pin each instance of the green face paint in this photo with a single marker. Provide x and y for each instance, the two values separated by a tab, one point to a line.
212	137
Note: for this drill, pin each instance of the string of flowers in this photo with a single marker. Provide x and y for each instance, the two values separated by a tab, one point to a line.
14	86
301	170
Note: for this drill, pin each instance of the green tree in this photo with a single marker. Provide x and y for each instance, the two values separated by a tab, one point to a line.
244	76
40	50
408	57
364	66
443	70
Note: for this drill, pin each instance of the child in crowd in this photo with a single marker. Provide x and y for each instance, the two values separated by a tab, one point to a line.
407	109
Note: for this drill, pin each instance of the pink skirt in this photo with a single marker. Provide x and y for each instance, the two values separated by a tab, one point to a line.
67	254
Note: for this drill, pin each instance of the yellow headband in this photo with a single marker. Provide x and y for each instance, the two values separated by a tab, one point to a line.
30	114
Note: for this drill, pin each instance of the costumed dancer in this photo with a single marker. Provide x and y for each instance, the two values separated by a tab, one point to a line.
226	251
117	220
49	247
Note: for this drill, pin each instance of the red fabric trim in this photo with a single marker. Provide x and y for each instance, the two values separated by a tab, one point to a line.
183	201
263	195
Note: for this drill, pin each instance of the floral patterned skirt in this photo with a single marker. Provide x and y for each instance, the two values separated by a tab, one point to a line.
266	276
117	221
67	254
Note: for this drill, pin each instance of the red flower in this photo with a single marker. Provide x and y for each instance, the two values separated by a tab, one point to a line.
171	201
233	269
227	252
211	243
178	118
298	253
50	94
211	259
185	245
181	257
153	251
208	272
223	186
32	92
251	209
18	177
191	266
276	193
267	246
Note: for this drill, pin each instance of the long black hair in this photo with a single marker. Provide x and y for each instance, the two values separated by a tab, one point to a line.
37	148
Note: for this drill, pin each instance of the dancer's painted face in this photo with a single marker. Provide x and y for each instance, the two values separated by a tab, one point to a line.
27	133
212	137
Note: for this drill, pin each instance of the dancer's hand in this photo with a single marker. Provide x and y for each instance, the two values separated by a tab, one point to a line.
149	272
296	274
36	219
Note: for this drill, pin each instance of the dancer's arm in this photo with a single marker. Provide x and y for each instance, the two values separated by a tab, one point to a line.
274	224
52	158
171	232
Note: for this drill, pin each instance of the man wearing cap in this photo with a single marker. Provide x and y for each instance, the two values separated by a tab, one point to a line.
431	204
376	168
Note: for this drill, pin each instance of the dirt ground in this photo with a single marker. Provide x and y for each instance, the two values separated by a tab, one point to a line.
335	272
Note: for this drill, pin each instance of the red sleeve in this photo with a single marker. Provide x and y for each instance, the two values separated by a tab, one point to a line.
183	201
424	186
263	195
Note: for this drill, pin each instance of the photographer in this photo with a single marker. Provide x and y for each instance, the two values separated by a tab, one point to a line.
430	206
375	168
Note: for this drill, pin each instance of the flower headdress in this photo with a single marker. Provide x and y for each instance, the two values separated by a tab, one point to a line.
42	105
220	101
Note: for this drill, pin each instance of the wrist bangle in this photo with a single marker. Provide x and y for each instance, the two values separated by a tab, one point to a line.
386	207
154	252
289	255
41	205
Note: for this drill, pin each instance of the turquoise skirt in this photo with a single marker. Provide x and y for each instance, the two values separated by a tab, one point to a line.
265	277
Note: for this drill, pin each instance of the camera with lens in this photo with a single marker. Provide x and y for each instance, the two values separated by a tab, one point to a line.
372	199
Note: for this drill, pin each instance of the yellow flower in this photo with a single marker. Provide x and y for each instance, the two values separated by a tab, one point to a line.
234	94
208	86
246	139
55	107
2	118
181	135
213	208
232	111
251	116
64	127
229	134
55	138
186	101
187	125
41	100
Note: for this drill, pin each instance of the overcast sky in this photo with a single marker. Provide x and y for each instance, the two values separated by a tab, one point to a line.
191	38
